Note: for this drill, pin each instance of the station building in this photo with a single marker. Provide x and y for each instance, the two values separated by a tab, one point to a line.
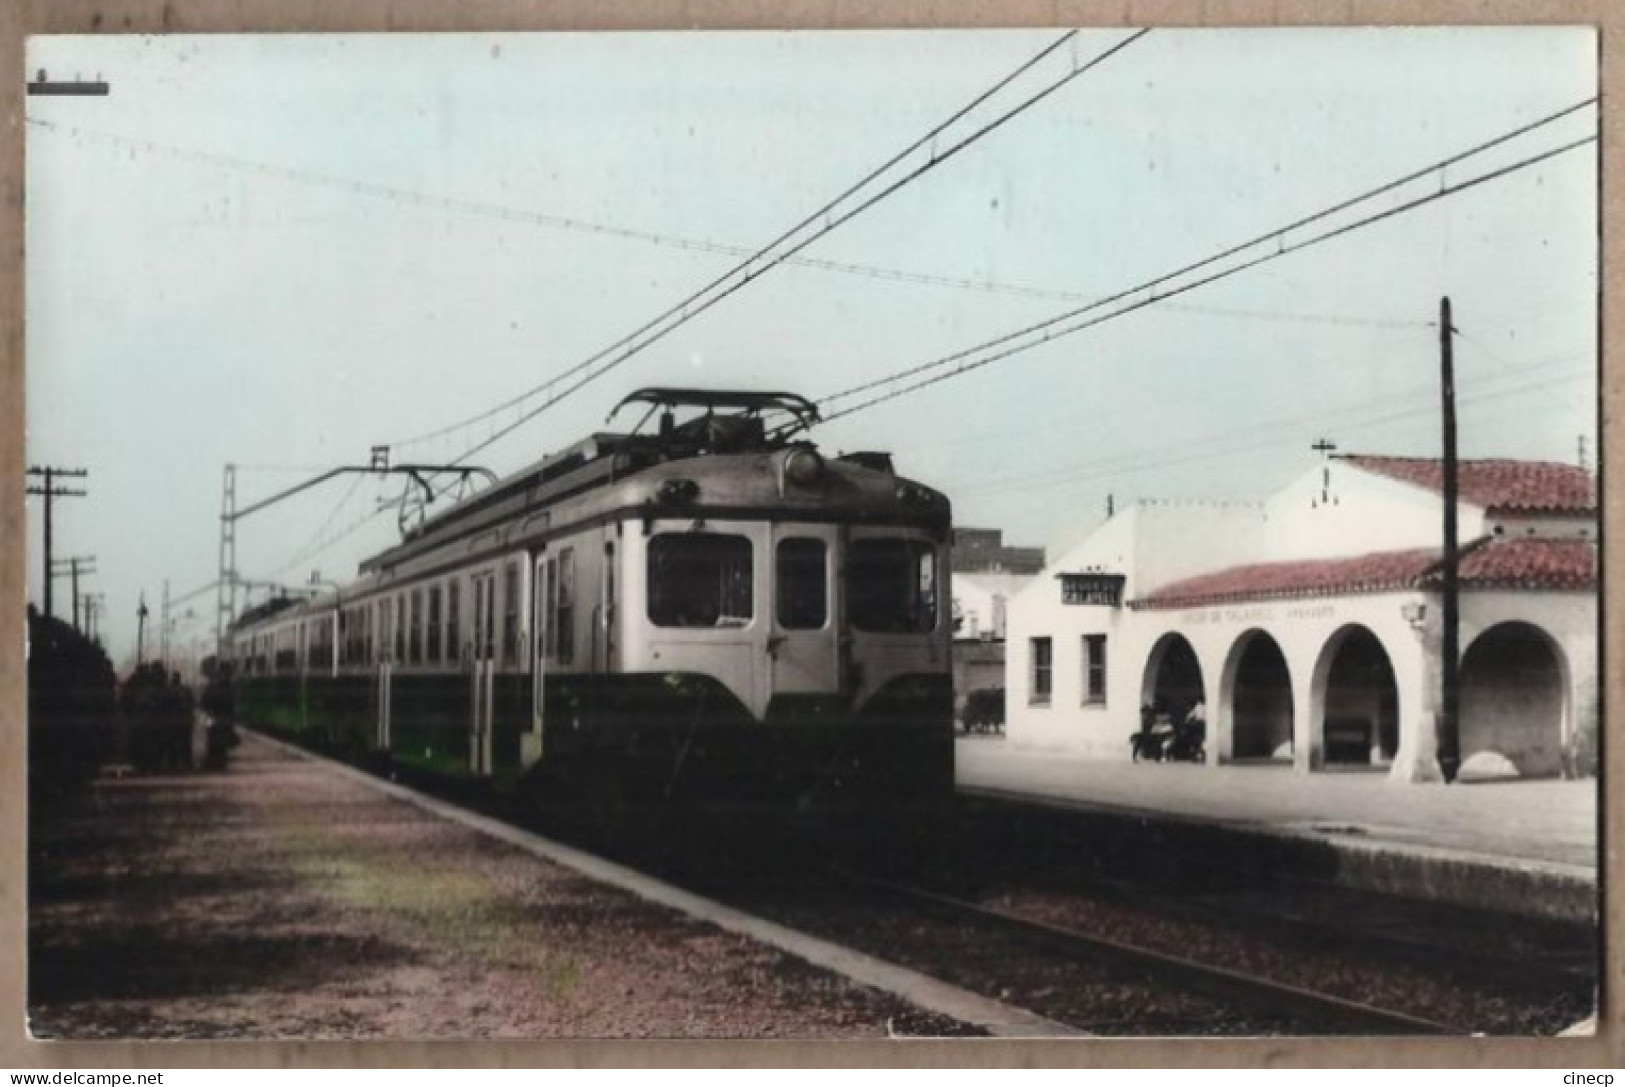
1309	625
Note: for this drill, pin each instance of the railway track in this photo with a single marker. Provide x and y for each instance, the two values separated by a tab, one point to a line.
1274	998
1244	960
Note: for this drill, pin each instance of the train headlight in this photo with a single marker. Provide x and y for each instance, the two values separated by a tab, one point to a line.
803	467
677	491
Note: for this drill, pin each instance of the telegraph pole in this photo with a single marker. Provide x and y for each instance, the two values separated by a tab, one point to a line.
73	567
50	491
1449	735
141	631
94	605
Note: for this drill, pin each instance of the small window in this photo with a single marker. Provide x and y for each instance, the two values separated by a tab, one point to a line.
892	586
803	584
700	579
1094	669
1042	674
434	625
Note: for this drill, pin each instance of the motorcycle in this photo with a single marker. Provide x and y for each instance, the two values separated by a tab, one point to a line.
1160	741
1188	743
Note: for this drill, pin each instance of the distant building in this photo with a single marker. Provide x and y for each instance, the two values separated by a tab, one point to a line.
986	574
982	551
1308	625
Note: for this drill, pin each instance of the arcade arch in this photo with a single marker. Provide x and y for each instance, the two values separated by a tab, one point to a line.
1257	688
1356	700
1173	677
1513	698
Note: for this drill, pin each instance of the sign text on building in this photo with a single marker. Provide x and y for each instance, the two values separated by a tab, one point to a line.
1105	589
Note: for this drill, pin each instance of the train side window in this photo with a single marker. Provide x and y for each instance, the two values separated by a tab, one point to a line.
700	579
548	640
400	627
891	586
432	653
510	613
453	619
386	621
417	627
802	583
564	635
486	589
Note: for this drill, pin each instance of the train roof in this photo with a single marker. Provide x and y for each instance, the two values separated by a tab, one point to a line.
720	421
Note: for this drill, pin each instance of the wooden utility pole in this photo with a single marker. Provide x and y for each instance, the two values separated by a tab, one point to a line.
50	491
73	567
1449	735
95	605
141	631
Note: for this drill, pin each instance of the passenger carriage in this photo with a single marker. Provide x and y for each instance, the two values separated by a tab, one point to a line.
713	605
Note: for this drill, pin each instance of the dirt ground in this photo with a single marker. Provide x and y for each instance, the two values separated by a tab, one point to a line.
279	900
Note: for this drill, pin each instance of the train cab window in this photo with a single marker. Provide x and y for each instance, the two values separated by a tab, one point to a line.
433	651
891	586
802	583
700	579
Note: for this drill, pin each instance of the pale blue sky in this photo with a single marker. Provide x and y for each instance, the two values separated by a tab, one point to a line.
184	312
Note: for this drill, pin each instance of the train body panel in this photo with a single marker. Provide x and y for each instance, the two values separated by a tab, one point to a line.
758	616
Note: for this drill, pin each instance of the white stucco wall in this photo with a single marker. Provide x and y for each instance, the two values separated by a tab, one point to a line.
1356	513
1152	545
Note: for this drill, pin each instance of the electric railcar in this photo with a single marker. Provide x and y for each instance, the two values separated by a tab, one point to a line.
712	606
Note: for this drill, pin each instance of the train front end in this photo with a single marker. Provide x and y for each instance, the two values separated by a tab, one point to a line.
786	630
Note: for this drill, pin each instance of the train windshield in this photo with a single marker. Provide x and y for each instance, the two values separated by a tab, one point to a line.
891	586
700	579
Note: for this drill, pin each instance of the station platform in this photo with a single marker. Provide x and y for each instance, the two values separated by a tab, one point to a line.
291	897
1524	847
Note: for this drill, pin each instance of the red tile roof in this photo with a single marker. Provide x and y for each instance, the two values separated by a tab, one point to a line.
1485	564
1530	564
1504	486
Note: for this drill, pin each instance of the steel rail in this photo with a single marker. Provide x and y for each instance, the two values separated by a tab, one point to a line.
1212	981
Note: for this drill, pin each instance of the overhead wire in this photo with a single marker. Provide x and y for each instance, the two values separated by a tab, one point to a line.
1211	446
1042	332
821	222
305	552
490	210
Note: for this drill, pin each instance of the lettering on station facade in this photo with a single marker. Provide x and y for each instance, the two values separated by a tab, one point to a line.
1105	590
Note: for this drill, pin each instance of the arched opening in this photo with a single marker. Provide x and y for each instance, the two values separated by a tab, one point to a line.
1512	699
1360	710
1173	677
1260	700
